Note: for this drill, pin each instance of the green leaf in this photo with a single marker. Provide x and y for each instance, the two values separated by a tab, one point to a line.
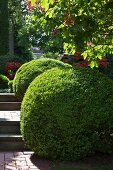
84	55
51	1
33	2
92	64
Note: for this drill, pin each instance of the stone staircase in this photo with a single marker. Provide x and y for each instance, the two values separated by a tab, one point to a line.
8	102
10	137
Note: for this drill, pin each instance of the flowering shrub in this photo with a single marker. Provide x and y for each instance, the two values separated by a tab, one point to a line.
79	61
11	68
103	62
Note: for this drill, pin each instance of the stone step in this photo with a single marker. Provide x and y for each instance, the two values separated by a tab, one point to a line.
10	138
10	106
9	122
9	127
11	142
8	97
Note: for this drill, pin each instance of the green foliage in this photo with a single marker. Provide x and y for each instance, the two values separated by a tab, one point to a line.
84	26
68	114
17	15
44	3
4	27
3	81
10	85
28	71
9	58
39	35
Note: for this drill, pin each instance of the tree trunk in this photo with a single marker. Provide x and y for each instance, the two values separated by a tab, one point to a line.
11	38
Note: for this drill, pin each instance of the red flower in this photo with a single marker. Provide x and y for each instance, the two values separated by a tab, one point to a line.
103	62
82	64
10	76
89	43
78	56
11	68
42	9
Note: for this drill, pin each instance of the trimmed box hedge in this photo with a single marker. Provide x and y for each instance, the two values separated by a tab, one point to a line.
67	114
28	71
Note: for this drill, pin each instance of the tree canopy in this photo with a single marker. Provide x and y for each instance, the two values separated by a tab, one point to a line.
17	18
85	26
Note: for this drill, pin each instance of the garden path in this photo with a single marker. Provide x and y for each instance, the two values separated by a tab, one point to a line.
22	160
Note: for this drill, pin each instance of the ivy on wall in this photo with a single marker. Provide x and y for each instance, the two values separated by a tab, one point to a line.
4	27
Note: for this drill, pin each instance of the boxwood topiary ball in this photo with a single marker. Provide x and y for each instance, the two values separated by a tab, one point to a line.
28	71
67	114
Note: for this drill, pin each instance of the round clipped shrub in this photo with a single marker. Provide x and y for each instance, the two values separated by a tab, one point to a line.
28	71
68	114
3	81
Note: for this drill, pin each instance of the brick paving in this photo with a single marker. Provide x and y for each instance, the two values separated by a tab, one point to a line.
22	161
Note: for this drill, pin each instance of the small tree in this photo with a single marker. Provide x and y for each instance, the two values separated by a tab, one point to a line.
85	26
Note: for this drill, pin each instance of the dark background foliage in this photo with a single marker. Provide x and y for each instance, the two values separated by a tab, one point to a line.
4	27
